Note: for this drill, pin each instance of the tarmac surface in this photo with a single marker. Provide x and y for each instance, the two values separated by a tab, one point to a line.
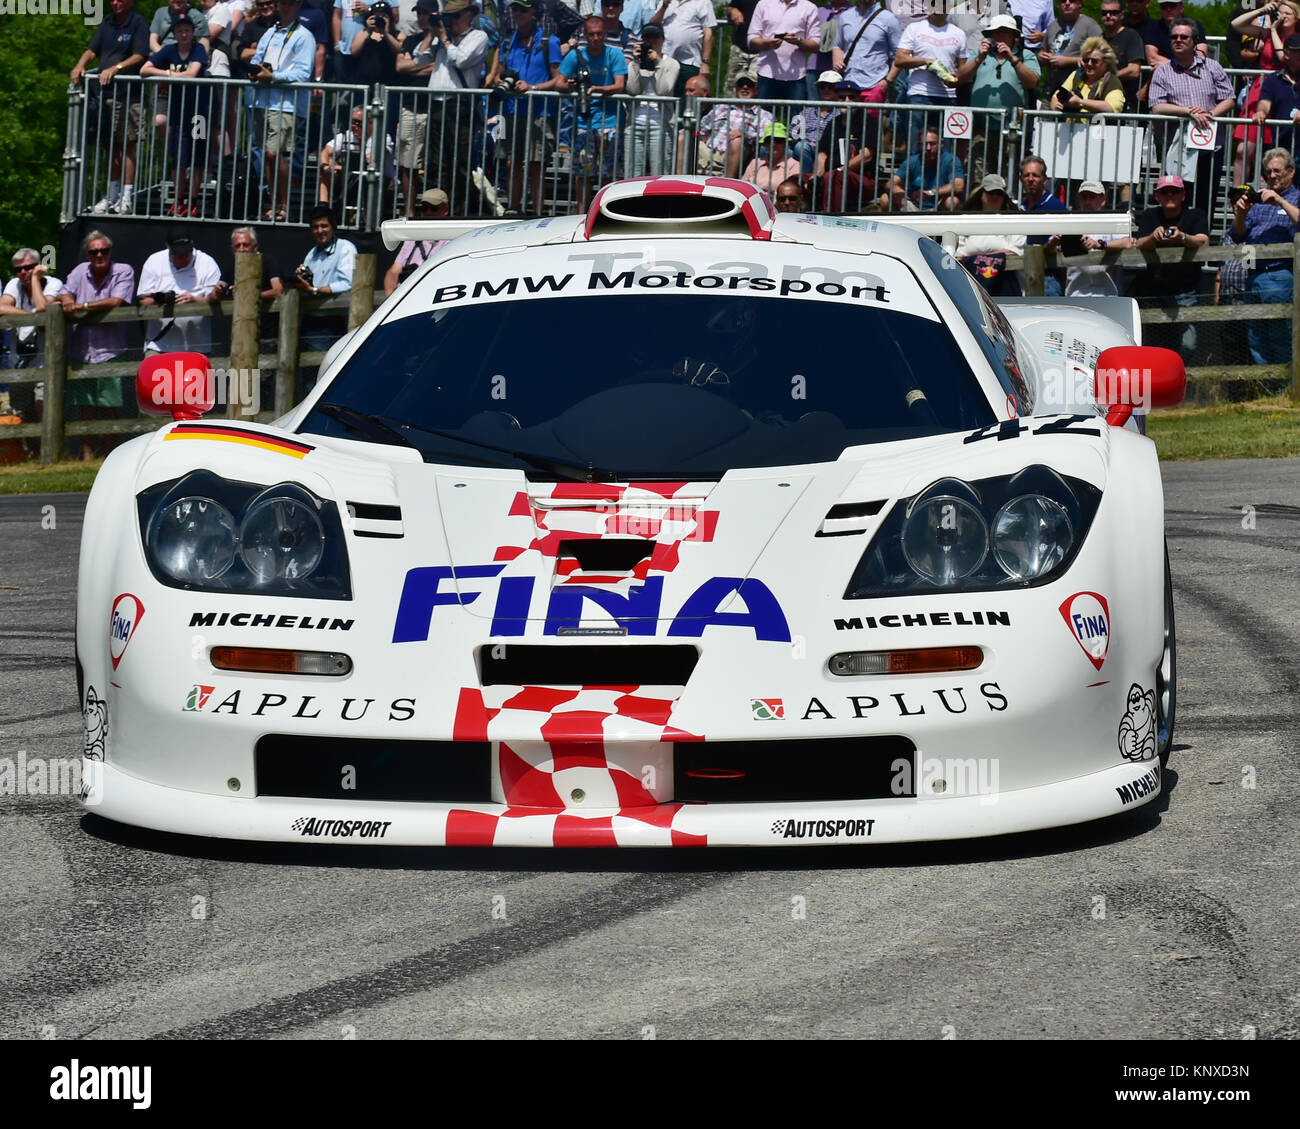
1177	920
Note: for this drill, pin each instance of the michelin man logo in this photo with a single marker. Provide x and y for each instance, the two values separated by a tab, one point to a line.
1137	728
96	713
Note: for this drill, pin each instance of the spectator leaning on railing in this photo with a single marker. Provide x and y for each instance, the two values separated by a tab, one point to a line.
29	292
98	284
1191	86
1094	87
121	43
1269	215
1094	279
327	270
178	277
1279	98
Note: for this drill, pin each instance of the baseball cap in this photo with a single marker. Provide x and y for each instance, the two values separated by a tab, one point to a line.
434	197
828	78
455	7
1004	22
654	31
432	5
1292	43
380	6
775	130
1095	187
1170	182
747	79
178	237
993	183
182	20
851	87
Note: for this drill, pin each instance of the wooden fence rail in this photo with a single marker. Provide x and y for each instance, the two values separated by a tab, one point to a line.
246	309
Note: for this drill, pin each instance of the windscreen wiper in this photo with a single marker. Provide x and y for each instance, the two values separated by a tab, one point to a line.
361	424
561	468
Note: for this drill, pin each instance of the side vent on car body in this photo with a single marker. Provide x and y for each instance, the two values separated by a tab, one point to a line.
370	520
849	518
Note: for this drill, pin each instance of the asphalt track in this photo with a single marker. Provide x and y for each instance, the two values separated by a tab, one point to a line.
110	932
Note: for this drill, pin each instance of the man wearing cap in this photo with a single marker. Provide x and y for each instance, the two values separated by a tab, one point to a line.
688	35
985	256
459	59
865	42
534	58
460	49
1278	98
729	132
770	169
1272	220
1096	279
284	54
782	34
348	18
173	278
1196	88
414	65
1003	76
647	142
1172	223
807	126
432	205
376	46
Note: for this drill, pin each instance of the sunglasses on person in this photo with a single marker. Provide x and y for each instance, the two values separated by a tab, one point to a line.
1173	37
26	267
95	252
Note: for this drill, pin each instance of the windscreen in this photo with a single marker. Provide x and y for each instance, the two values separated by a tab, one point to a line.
595	374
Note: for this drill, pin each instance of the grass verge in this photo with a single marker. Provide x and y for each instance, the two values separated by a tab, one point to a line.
31	478
1256	429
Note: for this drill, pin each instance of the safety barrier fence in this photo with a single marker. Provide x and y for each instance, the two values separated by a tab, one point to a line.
239	376
227	150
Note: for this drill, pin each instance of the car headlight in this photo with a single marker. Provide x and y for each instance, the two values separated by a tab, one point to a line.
281	538
1013	531
193	539
209	533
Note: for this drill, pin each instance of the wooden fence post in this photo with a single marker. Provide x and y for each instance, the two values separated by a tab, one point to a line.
1035	268
286	369
361	298
56	375
1295	323
245	332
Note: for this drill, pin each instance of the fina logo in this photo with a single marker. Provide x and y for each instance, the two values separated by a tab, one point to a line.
126	617
1087	615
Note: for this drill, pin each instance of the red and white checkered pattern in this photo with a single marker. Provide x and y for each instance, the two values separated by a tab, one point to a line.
751	200
633	511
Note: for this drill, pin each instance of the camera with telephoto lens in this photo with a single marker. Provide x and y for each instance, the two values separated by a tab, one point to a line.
306	274
507	84
379	18
581	81
1237	191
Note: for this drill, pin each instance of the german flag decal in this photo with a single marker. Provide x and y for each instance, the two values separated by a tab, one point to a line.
242	435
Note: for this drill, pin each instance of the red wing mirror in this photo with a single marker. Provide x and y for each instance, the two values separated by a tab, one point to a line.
176	384
1138	376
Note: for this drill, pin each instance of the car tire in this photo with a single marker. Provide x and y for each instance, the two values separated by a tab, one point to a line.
1167	677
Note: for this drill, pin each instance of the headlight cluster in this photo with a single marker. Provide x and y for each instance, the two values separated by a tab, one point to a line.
205	532
1013	531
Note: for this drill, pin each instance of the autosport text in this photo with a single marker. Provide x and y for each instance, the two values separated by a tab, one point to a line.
823	828
342	828
637	610
102	1083
926	619
906	703
308	706
263	619
1145	785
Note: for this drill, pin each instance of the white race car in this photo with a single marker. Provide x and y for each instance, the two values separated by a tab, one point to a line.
678	523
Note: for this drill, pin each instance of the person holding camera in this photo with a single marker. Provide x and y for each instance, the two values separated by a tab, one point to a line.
528	60
647	141
375	47
1172	224
327	270
284	54
1269	214
179	276
591	72
414	65
459	56
348	19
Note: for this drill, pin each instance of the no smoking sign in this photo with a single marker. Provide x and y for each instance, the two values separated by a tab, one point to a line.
957	125
1201	136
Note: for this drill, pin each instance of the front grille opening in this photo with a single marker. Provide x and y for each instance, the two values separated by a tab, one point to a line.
515	664
616	554
457	772
846	768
